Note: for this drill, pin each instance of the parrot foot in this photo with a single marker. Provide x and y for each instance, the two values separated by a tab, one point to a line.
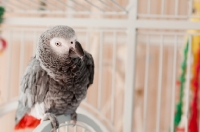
74	118
54	121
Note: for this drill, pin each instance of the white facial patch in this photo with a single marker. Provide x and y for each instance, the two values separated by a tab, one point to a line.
72	41
60	45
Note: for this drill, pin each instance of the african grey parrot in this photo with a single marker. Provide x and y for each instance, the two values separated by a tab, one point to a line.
56	79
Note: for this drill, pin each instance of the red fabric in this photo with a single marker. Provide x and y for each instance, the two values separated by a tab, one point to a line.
27	122
193	122
3	43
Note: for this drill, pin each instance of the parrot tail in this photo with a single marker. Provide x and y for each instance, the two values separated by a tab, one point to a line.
27	122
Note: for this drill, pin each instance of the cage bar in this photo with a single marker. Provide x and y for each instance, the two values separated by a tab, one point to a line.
176	7
119	6
149	7
61	2
35	5
106	4
22	4
50	4
173	84
130	70
146	84
113	77
22	49
190	7
100	70
162	7
159	86
34	41
155	16
92	4
80	5
12	6
9	64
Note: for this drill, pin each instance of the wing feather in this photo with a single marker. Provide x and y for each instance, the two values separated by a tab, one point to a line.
35	80
90	67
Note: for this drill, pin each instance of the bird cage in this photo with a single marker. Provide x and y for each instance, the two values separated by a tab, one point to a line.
137	46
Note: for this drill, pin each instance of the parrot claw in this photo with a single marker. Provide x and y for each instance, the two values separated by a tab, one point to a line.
54	121
74	118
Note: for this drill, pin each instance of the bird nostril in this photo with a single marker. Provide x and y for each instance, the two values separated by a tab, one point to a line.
72	49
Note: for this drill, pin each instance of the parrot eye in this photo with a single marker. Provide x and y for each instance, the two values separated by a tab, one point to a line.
58	44
71	42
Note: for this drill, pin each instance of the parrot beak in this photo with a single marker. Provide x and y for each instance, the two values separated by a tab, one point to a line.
78	49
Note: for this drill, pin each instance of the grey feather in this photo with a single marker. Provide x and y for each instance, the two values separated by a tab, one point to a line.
31	85
61	82
90	67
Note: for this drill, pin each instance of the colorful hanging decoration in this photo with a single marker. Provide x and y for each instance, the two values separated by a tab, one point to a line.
194	115
193	121
181	115
179	106
2	10
3	43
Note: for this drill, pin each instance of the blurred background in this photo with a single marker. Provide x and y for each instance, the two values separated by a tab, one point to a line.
146	56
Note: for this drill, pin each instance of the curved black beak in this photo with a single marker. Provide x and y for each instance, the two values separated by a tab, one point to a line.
78	49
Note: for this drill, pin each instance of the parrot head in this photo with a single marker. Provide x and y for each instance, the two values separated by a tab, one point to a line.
58	44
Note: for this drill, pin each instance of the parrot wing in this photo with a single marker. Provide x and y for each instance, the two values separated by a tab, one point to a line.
90	67
34	87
